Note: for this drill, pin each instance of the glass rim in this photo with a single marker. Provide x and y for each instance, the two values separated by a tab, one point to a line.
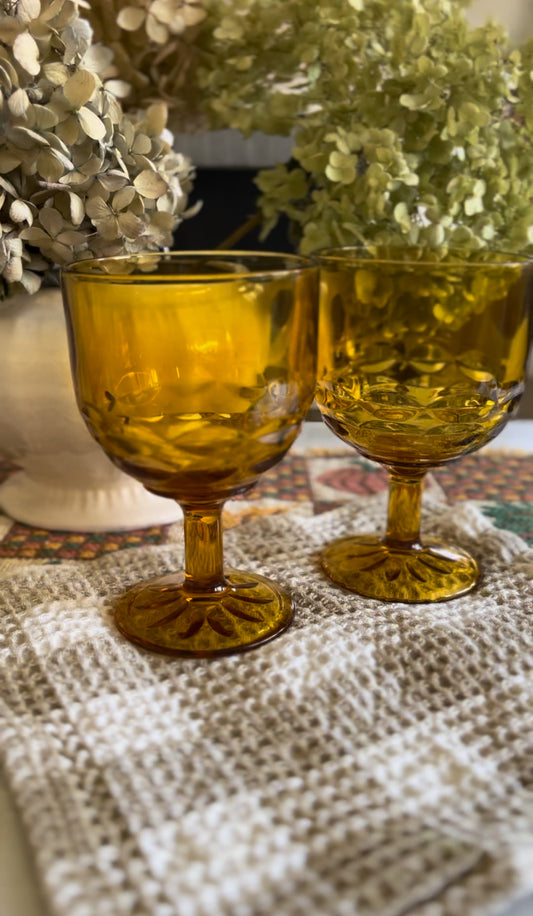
93	268
353	254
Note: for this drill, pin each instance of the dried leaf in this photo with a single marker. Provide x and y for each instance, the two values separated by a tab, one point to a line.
19	103
76	179
130	225
123	198
20	212
45	118
64	160
163	10
52	11
7	63
150	184
166	203
56	73
59	253
28	10
97	59
15	247
96	208
142	144
163	219
193	14
60	106
131	18
7	186
5	79
77	209
52	165
57	143
79	88
111	107
13	271
156	30
109	129
77	39
25	138
8	161
118	88
156	118
51	220
71	237
108	228
91	124
69	131
142	163
31	282
92	166
34	235
113	180
26	52
127	134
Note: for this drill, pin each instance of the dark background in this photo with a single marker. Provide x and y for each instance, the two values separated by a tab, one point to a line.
229	199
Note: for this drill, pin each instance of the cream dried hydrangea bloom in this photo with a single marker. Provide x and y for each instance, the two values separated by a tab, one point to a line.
156	48
79	176
161	18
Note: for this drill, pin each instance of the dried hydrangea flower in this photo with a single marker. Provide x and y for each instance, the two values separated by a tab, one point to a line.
156	48
79	176
409	126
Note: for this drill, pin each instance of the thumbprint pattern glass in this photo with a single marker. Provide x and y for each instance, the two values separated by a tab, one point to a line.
421	360
194	372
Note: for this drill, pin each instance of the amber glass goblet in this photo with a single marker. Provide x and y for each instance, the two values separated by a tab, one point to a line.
421	360
194	372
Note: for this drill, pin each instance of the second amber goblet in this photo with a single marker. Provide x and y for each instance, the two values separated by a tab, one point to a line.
194	371
421	360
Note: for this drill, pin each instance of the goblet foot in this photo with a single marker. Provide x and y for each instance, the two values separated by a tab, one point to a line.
164	616
376	569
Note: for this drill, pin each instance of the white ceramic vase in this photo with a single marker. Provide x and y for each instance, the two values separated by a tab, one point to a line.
65	481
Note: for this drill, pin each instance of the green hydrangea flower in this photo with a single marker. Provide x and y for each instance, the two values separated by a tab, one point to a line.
409	126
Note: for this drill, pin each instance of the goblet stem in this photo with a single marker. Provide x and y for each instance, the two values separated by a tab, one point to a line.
405	500
204	558
398	567
205	610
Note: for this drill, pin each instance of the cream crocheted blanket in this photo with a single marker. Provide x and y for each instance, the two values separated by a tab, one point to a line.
373	760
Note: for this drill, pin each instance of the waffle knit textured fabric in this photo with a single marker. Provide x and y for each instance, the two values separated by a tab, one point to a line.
374	760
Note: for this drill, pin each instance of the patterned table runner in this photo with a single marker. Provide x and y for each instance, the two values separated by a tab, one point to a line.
502	483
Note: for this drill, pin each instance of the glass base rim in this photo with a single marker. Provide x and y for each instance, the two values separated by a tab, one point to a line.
135	609
368	566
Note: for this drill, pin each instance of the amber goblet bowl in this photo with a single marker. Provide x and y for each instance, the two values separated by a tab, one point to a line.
421	360
194	372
